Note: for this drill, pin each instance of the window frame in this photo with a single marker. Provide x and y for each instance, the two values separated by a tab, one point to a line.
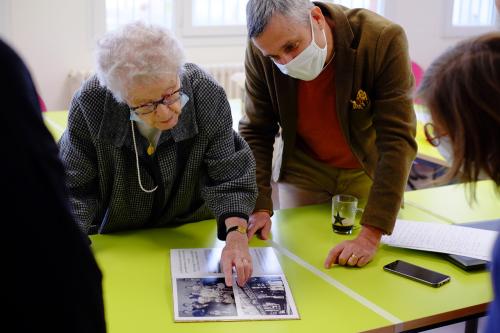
182	25
450	30
187	28
181	17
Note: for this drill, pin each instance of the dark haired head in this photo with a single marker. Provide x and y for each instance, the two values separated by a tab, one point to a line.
462	91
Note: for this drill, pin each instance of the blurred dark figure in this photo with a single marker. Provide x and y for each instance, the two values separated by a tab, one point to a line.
53	283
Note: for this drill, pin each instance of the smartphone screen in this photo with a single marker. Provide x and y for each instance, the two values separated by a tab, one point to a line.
417	273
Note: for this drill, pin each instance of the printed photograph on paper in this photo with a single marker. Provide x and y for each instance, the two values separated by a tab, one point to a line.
200	292
264	296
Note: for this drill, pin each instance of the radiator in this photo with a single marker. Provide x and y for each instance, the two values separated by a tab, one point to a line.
230	76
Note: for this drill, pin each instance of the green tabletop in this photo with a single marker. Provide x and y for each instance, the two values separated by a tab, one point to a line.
413	303
453	203
138	295
426	151
56	122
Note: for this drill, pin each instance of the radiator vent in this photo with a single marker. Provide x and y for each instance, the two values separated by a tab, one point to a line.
230	76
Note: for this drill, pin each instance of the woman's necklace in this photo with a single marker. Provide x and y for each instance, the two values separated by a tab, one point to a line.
152	135
151	148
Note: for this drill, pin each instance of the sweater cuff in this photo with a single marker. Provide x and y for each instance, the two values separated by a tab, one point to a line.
221	223
380	220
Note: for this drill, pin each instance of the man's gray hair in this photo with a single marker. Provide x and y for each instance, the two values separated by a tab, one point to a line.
136	53
259	13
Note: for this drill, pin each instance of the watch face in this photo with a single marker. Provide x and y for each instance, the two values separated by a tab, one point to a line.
242	230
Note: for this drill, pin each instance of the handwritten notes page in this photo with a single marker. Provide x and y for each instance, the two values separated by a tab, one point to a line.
445	238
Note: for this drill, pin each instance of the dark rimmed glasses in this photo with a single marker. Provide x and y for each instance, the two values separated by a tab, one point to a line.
167	100
432	135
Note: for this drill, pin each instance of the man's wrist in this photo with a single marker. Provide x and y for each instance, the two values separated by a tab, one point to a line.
371	233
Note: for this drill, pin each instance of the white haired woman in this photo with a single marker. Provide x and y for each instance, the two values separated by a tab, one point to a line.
150	143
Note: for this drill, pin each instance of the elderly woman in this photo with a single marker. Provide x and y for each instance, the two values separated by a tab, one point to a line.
149	143
462	90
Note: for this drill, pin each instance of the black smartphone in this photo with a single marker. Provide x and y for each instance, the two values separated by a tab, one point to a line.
417	273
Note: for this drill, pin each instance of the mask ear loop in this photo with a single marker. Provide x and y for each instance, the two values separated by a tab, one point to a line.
313	34
137	162
184	99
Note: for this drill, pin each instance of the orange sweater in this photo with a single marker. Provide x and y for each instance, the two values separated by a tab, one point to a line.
319	132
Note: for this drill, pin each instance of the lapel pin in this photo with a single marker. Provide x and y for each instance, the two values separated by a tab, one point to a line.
361	100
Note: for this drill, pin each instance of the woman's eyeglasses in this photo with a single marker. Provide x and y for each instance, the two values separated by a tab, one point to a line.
167	100
432	135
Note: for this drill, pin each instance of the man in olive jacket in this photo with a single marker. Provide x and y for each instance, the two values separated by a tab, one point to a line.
335	83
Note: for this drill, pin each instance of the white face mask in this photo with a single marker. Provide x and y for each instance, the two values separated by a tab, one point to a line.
445	148
309	63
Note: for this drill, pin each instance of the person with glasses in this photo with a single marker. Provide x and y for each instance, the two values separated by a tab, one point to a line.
334	85
150	143
461	89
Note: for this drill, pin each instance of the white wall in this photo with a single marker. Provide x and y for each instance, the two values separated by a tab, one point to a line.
56	36
52	36
423	21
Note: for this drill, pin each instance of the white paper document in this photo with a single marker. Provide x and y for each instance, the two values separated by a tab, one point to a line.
445	238
200	293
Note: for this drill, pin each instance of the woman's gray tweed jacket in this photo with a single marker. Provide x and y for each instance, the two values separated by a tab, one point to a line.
203	169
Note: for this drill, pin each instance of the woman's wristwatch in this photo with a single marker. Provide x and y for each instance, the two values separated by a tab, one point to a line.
239	228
